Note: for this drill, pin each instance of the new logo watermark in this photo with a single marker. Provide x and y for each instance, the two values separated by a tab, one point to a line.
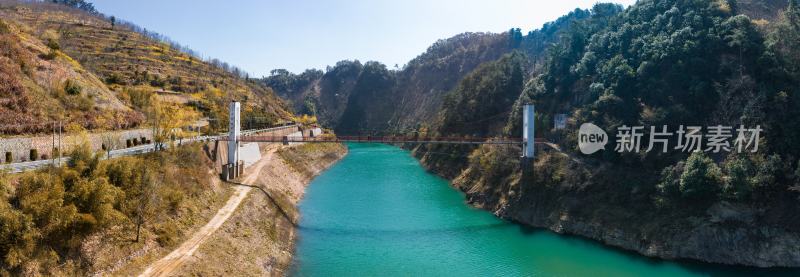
592	138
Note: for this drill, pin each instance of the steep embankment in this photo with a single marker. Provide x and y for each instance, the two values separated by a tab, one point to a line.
175	259
258	237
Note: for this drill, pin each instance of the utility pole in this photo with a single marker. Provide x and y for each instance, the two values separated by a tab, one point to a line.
53	147
155	124
139	219
60	150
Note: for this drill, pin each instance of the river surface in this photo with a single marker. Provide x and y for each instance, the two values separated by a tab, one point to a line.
379	213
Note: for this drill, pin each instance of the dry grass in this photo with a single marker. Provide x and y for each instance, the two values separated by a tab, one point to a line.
258	239
52	45
305	157
190	194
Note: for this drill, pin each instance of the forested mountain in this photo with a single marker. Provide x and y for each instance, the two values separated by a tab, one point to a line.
693	63
421	83
64	61
658	62
419	87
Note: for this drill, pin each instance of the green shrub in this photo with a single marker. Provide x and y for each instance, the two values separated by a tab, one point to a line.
4	29
52	54
738	184
114	78
670	181
174	198
34	155
83	103
53	44
98	198
84	160
72	88
767	170
701	177
138	98
797	175
166	234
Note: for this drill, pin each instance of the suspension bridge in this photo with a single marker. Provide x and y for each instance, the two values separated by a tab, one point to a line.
235	136
235	167
383	139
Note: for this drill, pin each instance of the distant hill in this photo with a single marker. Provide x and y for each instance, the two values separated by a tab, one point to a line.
72	65
408	99
353	96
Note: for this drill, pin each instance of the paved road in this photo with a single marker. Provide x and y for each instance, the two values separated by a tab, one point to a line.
136	150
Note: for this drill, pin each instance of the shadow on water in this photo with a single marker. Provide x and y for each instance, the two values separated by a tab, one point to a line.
701	268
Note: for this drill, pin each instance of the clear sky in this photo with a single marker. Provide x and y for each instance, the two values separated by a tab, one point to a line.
261	35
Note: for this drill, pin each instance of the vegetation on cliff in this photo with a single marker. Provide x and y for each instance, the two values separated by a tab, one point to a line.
692	63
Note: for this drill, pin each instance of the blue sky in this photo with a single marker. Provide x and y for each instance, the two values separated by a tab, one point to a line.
259	36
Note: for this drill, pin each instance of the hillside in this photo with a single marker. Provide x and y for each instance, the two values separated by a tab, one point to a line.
85	69
692	63
408	99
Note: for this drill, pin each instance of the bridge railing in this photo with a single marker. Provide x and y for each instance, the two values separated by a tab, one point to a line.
382	139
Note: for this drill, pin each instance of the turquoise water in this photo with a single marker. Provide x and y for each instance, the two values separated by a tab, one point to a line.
378	213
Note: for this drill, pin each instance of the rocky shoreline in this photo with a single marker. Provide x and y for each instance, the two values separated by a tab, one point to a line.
725	233
259	238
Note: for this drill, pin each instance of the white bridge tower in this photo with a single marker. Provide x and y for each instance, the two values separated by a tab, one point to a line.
528	133
232	169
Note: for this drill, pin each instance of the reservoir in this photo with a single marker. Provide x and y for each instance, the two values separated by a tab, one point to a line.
379	213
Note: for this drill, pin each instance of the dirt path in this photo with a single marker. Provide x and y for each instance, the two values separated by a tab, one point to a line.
177	257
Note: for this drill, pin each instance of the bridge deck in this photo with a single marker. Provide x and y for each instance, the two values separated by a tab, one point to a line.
382	139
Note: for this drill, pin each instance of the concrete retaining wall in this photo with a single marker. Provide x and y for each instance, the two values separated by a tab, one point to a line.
20	148
249	153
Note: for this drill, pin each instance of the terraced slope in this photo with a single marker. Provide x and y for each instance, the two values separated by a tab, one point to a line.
49	50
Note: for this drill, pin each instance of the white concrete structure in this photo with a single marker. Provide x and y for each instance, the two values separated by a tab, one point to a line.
249	153
234	131
297	136
315	132
528	133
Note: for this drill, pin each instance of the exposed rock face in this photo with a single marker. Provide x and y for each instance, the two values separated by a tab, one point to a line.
706	241
727	233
